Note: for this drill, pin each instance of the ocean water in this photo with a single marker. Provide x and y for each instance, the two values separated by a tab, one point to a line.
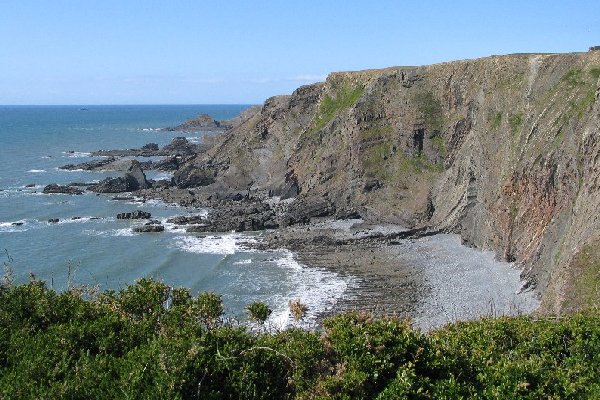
90	246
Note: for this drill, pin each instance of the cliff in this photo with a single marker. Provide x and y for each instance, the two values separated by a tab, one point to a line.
504	150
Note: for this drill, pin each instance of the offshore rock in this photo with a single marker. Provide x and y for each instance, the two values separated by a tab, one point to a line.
178	146
135	215
95	165
55	188
201	122
149	228
134	179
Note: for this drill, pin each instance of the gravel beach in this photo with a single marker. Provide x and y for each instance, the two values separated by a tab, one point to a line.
431	280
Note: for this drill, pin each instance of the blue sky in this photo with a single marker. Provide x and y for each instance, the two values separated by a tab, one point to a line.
200	52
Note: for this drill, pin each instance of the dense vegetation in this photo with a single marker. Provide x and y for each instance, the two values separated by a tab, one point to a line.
152	341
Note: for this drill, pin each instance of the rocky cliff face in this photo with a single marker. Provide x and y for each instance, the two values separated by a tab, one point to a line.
504	150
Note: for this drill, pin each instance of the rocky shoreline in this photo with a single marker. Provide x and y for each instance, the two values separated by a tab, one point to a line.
319	233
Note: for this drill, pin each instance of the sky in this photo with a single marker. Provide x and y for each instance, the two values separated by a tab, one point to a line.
242	52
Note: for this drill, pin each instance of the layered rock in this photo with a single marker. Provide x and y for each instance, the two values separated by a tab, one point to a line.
503	150
228	217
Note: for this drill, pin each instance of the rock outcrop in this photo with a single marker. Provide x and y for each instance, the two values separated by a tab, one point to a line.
178	146
504	150
150	227
239	217
202	122
54	188
305	208
135	215
134	179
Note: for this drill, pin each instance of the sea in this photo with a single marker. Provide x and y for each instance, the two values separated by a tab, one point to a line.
90	246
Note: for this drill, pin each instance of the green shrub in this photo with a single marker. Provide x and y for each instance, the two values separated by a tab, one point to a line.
367	353
258	311
154	342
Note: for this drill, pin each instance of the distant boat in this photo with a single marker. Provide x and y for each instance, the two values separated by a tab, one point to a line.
83	109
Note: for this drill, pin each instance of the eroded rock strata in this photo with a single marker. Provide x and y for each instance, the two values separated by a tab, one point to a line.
504	150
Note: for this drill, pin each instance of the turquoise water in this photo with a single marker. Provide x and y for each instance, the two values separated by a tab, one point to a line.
99	249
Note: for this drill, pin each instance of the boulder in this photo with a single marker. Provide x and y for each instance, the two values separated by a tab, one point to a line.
55	188
136	176
53	220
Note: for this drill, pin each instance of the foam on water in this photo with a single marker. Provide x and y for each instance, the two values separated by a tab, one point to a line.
76	154
58	169
316	288
160	176
80	220
222	244
10	227
174	228
108	233
36	141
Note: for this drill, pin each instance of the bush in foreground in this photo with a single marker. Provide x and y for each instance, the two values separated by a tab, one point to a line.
150	341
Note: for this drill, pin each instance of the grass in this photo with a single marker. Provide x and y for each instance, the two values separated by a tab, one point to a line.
383	163
495	120
439	144
344	97
560	136
577	79
431	109
515	121
375	132
585	267
581	107
375	161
